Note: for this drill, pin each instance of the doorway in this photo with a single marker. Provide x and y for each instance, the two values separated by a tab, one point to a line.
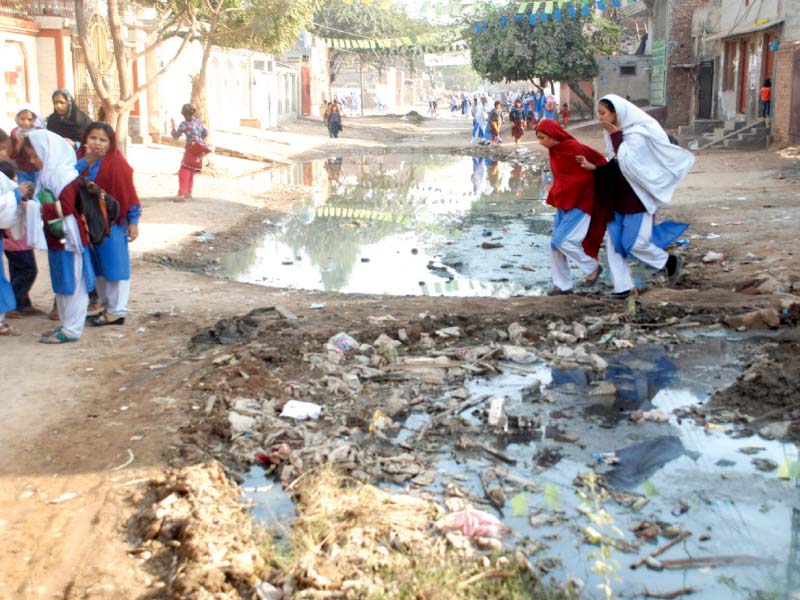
705	89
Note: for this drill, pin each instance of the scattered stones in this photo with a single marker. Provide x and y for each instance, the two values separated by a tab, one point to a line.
604	388
766	318
764	464
712	257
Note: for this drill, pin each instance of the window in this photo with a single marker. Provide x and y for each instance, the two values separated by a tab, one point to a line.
728	79
627	70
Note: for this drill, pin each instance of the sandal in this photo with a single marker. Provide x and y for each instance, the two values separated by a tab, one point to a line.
94	309
104	319
58	338
590	281
50	332
8	330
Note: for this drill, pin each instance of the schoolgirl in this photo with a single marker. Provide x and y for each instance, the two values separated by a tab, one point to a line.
517	118
644	170
572	194
71	270
101	162
195	150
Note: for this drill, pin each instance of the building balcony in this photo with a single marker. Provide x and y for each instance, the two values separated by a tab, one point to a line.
38	8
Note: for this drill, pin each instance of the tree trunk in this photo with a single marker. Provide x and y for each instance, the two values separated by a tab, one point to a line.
199	99
587	100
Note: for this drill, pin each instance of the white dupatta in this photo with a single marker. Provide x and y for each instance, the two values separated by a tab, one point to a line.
652	165
58	171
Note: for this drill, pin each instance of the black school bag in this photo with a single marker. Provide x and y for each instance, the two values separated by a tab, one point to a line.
98	210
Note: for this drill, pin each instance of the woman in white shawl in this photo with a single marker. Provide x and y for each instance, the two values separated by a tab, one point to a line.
643	171
71	270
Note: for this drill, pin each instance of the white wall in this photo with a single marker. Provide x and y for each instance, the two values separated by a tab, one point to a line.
9	100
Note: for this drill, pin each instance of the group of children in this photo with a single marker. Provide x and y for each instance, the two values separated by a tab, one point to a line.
613	198
46	166
519	115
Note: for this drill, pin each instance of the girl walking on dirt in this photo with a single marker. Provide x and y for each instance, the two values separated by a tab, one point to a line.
643	172
71	270
195	150
101	162
334	121
517	118
572	194
496	121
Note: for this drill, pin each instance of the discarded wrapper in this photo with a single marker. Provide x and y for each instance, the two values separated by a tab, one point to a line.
297	409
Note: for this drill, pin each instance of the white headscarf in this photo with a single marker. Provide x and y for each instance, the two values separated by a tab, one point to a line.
38	123
650	163
58	161
6	184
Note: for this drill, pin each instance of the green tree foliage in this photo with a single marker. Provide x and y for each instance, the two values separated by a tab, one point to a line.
357	21
270	26
549	51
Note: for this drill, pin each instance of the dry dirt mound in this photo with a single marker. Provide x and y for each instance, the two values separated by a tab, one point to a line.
196	536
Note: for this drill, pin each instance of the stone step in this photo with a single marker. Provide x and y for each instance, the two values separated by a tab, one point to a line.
734	124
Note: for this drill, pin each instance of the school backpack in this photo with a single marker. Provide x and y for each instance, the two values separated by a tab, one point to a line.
97	209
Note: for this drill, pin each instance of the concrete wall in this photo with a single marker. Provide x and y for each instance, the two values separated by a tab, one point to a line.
18	38
610	79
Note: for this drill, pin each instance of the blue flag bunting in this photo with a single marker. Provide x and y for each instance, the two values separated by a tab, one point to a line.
571	11
616	3
518	17
532	19
557	14
545	16
601	5
504	21
477	27
585	10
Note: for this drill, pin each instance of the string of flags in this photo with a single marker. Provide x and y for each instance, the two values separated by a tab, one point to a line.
436	39
543	11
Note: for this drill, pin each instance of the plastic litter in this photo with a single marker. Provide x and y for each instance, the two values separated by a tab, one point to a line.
472	523
343	342
297	409
609	458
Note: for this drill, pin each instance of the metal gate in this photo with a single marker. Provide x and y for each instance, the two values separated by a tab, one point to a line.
705	89
794	112
102	51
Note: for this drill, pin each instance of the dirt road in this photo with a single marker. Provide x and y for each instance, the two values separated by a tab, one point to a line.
87	424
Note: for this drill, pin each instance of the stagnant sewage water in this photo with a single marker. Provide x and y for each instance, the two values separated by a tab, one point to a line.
408	224
702	480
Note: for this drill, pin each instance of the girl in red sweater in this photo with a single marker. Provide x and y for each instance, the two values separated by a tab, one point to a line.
572	194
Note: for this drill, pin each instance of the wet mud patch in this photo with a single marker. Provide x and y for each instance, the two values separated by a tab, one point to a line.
769	386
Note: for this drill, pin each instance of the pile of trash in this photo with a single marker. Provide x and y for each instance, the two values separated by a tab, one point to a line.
353	540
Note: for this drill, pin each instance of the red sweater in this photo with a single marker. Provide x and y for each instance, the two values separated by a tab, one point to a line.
67	197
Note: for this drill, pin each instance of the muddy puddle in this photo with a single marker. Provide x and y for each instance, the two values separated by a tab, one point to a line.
723	490
417	224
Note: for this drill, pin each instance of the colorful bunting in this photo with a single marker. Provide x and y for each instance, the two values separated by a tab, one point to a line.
532	19
557	14
503	21
571	12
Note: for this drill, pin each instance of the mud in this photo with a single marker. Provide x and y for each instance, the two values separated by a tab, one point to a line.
769	386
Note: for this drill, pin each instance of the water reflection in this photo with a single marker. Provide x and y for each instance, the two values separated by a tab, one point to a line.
408	224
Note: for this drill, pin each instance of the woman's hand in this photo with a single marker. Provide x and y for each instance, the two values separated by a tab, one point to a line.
611	127
133	231
583	162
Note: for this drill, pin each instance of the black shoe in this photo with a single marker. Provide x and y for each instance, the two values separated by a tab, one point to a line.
559	292
618	295
589	283
673	269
